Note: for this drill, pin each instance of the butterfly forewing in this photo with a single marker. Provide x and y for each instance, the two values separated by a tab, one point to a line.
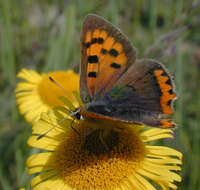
106	55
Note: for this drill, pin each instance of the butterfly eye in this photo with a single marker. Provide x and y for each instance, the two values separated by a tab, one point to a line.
78	116
87	98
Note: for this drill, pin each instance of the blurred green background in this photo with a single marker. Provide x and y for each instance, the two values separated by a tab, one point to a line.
44	35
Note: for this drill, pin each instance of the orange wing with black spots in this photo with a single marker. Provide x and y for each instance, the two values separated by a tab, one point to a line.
166	88
106	55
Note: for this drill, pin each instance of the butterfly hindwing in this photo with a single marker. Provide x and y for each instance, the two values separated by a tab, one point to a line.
106	55
151	79
143	94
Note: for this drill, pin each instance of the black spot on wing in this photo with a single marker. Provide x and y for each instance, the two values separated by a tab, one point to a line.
113	52
94	41
103	51
100	40
115	65
93	59
92	74
164	73
151	71
87	44
171	91
169	102
168	82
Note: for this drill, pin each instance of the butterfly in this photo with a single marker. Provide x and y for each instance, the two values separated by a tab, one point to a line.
116	86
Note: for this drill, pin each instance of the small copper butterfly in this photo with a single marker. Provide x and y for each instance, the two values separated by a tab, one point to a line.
116	86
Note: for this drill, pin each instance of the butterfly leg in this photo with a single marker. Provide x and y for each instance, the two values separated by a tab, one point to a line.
101	137
74	128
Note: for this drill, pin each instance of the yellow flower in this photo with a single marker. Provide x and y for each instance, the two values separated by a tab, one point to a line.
89	155
36	94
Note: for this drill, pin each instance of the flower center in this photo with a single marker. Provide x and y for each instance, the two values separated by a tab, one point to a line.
99	159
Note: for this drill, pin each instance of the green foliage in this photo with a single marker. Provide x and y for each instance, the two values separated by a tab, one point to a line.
44	35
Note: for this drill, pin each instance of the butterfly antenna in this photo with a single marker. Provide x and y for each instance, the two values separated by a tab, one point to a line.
61	121
44	134
64	90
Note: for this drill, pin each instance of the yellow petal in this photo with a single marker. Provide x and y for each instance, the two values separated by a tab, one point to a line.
42	177
155	134
163	151
40	159
164	160
146	185
163	170
44	143
54	183
135	183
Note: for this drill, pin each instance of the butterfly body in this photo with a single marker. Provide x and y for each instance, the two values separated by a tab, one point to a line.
115	86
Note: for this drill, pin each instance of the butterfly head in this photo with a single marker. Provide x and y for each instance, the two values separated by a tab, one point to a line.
77	114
